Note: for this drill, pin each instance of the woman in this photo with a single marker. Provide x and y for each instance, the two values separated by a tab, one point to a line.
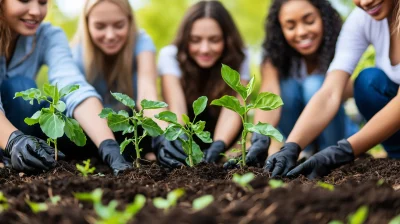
27	44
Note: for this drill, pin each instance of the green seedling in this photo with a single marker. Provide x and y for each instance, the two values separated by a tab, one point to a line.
54	200
395	220
3	202
326	186
359	217
51	119
244	180
264	101
86	169
37	207
170	201
380	182
189	129
109	214
202	202
121	121
276	183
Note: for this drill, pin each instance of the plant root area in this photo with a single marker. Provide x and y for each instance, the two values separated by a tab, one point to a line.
299	201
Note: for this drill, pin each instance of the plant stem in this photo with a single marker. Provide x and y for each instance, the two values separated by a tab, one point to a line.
190	151
136	140
244	135
55	148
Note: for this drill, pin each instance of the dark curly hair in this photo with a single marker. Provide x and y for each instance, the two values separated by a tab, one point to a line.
279	52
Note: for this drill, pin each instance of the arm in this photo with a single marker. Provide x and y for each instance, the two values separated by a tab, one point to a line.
5	131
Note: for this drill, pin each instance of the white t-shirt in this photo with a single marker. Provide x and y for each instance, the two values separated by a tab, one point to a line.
169	65
358	32
301	73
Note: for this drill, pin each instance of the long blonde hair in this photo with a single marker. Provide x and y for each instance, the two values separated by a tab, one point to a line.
5	33
118	75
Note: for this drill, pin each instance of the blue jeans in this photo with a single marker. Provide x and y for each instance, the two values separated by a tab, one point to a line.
373	90
295	95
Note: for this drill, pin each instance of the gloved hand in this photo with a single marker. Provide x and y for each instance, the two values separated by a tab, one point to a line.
213	153
256	154
281	162
29	154
169	154
110	153
324	161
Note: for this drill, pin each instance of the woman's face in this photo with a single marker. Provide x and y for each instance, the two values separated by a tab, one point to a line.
378	9
108	27
302	26
24	16
206	42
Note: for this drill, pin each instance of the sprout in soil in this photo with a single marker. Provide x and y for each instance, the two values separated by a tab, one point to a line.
85	169
327	186
3	202
202	202
244	180
276	183
170	201
37	207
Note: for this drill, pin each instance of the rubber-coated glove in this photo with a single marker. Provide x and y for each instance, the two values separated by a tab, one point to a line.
213	153
110	154
256	154
281	162
29	154
169	154
324	161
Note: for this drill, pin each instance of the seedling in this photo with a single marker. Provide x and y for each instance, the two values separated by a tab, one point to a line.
265	101
51	119
37	207
86	169
244	180
395	220
170	201
359	217
109	214
3	202
327	186
276	183
122	121
54	200
380	182
202	202
188	130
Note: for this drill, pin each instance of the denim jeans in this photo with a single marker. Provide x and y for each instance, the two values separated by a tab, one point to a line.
295	95
373	90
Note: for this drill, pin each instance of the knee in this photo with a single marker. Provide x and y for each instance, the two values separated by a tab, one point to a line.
367	78
311	85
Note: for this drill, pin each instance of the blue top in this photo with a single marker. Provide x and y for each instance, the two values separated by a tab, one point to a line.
48	47
143	43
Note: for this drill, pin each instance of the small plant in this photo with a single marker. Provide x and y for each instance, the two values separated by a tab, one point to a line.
3	202
244	180
170	201
380	182
327	186
395	220
52	120
265	101
359	217
121	121
109	214
86	169
189	129
37	207
202	202
54	200
276	183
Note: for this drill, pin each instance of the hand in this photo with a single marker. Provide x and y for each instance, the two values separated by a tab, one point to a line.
29	154
213	153
169	154
281	162
110	153
324	161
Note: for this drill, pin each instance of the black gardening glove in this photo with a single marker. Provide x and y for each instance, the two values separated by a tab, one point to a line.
213	153
110	154
29	154
281	162
169	154
324	161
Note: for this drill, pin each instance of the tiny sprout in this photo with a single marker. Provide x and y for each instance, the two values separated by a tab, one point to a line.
86	169
395	220
170	201
54	200
360	216
276	183
244	180
380	182
326	186
202	202
37	207
3	202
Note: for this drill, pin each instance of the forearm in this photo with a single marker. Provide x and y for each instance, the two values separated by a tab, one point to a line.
228	126
5	131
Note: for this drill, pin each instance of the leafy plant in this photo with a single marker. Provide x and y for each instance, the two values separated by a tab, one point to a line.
360	216
86	169
51	119
395	220
170	201
122	121
276	183
3	202
37	207
264	101
202	202
189	129
244	180
109	214
327	186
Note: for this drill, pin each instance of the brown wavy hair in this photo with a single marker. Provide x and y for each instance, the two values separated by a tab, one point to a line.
197	81
5	33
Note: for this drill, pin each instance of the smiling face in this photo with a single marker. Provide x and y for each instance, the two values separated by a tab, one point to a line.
24	17
302	26
378	9
206	42
108	27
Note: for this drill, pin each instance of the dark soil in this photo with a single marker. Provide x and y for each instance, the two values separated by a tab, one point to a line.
300	201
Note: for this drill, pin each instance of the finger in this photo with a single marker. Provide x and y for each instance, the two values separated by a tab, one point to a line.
296	171
231	164
35	162
41	153
176	152
166	161
7	162
20	165
279	168
270	164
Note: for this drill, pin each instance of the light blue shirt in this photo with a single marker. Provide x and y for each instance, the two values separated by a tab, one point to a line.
48	47
143	43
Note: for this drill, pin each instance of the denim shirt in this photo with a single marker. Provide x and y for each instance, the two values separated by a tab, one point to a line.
48	47
143	43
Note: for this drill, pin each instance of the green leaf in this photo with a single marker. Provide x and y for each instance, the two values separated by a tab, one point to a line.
197	154
3	202
51	91
68	89
199	105
267	101
52	125
335	222
123	113
60	106
151	127
380	183
172	132
360	216
232	78
199	126
247	178
37	207
326	186
94	196
106	112
74	132
202	202
185	119
205	136
29	94
132	209
129	130
276	183
167	116
148	104
243	180
118	122
231	103
161	203
250	86
124	144
124	99
395	220
34	119
174	196
54	200
264	129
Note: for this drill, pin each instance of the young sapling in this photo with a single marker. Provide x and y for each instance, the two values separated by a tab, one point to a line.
265	101
202	202
274	184
244	180
327	186
85	169
170	201
3	202
52	119
123	121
